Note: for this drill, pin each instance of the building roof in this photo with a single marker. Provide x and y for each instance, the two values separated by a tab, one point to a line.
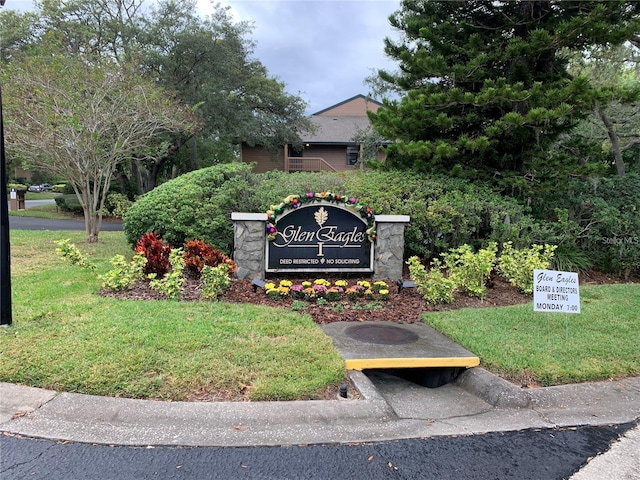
335	129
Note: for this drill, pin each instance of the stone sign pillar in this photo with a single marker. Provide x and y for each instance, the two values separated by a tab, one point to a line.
389	253
248	245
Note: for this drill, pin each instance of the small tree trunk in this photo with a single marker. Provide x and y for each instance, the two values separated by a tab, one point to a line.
613	137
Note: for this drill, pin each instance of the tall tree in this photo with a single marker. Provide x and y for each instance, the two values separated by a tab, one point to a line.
17	32
209	62
484	84
80	117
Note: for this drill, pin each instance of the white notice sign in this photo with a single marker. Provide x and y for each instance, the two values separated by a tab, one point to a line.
555	291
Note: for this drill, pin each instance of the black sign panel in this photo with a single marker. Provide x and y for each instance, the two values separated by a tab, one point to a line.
320	237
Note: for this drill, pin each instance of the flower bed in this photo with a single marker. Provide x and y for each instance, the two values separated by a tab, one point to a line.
323	291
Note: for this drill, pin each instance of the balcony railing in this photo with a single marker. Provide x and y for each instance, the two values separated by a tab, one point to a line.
307	164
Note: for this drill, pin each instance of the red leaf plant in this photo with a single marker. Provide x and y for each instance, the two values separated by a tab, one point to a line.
198	254
156	253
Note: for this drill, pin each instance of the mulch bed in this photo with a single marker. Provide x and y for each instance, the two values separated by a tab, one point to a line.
404	307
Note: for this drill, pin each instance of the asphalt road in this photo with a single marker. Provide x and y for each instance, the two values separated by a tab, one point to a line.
529	454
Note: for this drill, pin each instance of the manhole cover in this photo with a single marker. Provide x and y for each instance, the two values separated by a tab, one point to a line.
382	334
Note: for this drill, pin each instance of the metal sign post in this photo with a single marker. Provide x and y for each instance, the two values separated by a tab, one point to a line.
5	255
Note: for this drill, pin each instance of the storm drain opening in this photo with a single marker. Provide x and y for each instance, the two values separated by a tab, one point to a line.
430	377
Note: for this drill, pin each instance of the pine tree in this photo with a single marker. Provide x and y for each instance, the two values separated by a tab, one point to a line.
484	87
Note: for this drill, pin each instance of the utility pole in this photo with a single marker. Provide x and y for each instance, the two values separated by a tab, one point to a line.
5	253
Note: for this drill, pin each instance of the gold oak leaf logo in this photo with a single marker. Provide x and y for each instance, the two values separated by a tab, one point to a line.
321	216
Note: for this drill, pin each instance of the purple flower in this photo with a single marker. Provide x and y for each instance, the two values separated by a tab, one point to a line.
352	200
297	288
310	195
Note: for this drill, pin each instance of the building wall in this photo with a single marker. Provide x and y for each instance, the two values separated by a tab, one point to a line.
358	106
335	155
20	173
265	161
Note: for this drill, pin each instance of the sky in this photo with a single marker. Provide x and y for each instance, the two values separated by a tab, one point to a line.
321	49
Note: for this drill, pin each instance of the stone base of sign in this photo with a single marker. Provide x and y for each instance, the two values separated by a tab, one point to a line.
389	250
248	246
250	237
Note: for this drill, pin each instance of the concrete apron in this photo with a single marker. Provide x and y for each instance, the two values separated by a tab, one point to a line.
389	345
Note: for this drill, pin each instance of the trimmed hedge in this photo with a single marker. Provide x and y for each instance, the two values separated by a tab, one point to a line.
69	203
445	212
194	206
593	222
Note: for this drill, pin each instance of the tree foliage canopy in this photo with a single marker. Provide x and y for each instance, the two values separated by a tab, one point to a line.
615	126
483	84
207	61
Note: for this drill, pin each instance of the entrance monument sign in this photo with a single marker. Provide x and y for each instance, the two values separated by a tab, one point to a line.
318	232
320	237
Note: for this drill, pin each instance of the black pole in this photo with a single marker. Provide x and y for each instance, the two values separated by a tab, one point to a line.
5	253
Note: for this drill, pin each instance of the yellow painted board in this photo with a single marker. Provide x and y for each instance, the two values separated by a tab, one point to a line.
365	363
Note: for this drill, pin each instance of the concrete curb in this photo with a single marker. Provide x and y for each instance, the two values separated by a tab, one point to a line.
381	413
492	389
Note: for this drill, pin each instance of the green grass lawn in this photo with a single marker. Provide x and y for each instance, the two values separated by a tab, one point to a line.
44	211
554	348
65	337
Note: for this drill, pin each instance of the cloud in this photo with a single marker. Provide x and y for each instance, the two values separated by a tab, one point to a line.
322	50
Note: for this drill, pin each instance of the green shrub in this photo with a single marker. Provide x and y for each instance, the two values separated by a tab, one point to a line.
59	187
470	271
568	257
170	285
434	287
69	203
116	205
124	273
71	253
445	213
601	217
196	205
517	266
16	186
215	280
